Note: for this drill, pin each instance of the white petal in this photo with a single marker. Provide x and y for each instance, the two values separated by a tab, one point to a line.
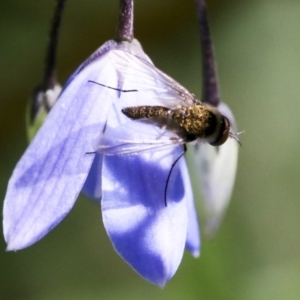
217	169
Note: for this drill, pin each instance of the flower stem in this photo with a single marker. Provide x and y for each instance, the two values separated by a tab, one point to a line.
210	92
40	99
49	79
125	26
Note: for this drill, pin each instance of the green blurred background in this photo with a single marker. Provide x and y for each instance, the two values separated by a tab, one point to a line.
255	255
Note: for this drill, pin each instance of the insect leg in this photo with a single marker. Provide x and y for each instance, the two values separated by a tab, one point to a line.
109	87
169	175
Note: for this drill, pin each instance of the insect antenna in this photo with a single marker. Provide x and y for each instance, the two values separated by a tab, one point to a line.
109	87
169	175
235	136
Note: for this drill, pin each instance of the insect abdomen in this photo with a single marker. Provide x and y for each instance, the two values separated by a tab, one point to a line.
145	112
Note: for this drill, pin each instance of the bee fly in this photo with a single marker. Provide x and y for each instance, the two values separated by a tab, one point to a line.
184	115
188	122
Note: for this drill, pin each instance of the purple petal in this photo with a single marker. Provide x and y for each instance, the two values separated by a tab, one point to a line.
92	187
51	173
147	234
193	233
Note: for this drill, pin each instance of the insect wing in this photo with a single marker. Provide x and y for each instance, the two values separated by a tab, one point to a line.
154	87
139	83
135	137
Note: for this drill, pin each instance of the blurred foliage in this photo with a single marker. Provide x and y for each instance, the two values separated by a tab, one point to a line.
256	253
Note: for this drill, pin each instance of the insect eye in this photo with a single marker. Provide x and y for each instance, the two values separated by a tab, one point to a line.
224	133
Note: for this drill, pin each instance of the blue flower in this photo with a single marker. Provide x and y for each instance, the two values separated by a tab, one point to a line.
87	144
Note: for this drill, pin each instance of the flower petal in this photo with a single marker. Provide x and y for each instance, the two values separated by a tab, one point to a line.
51	173
147	234
92	187
192	243
217	168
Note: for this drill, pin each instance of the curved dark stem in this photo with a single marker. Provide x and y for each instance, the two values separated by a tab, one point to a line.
125	26
49	79
210	83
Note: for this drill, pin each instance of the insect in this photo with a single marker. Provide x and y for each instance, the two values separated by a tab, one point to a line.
157	99
198	121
